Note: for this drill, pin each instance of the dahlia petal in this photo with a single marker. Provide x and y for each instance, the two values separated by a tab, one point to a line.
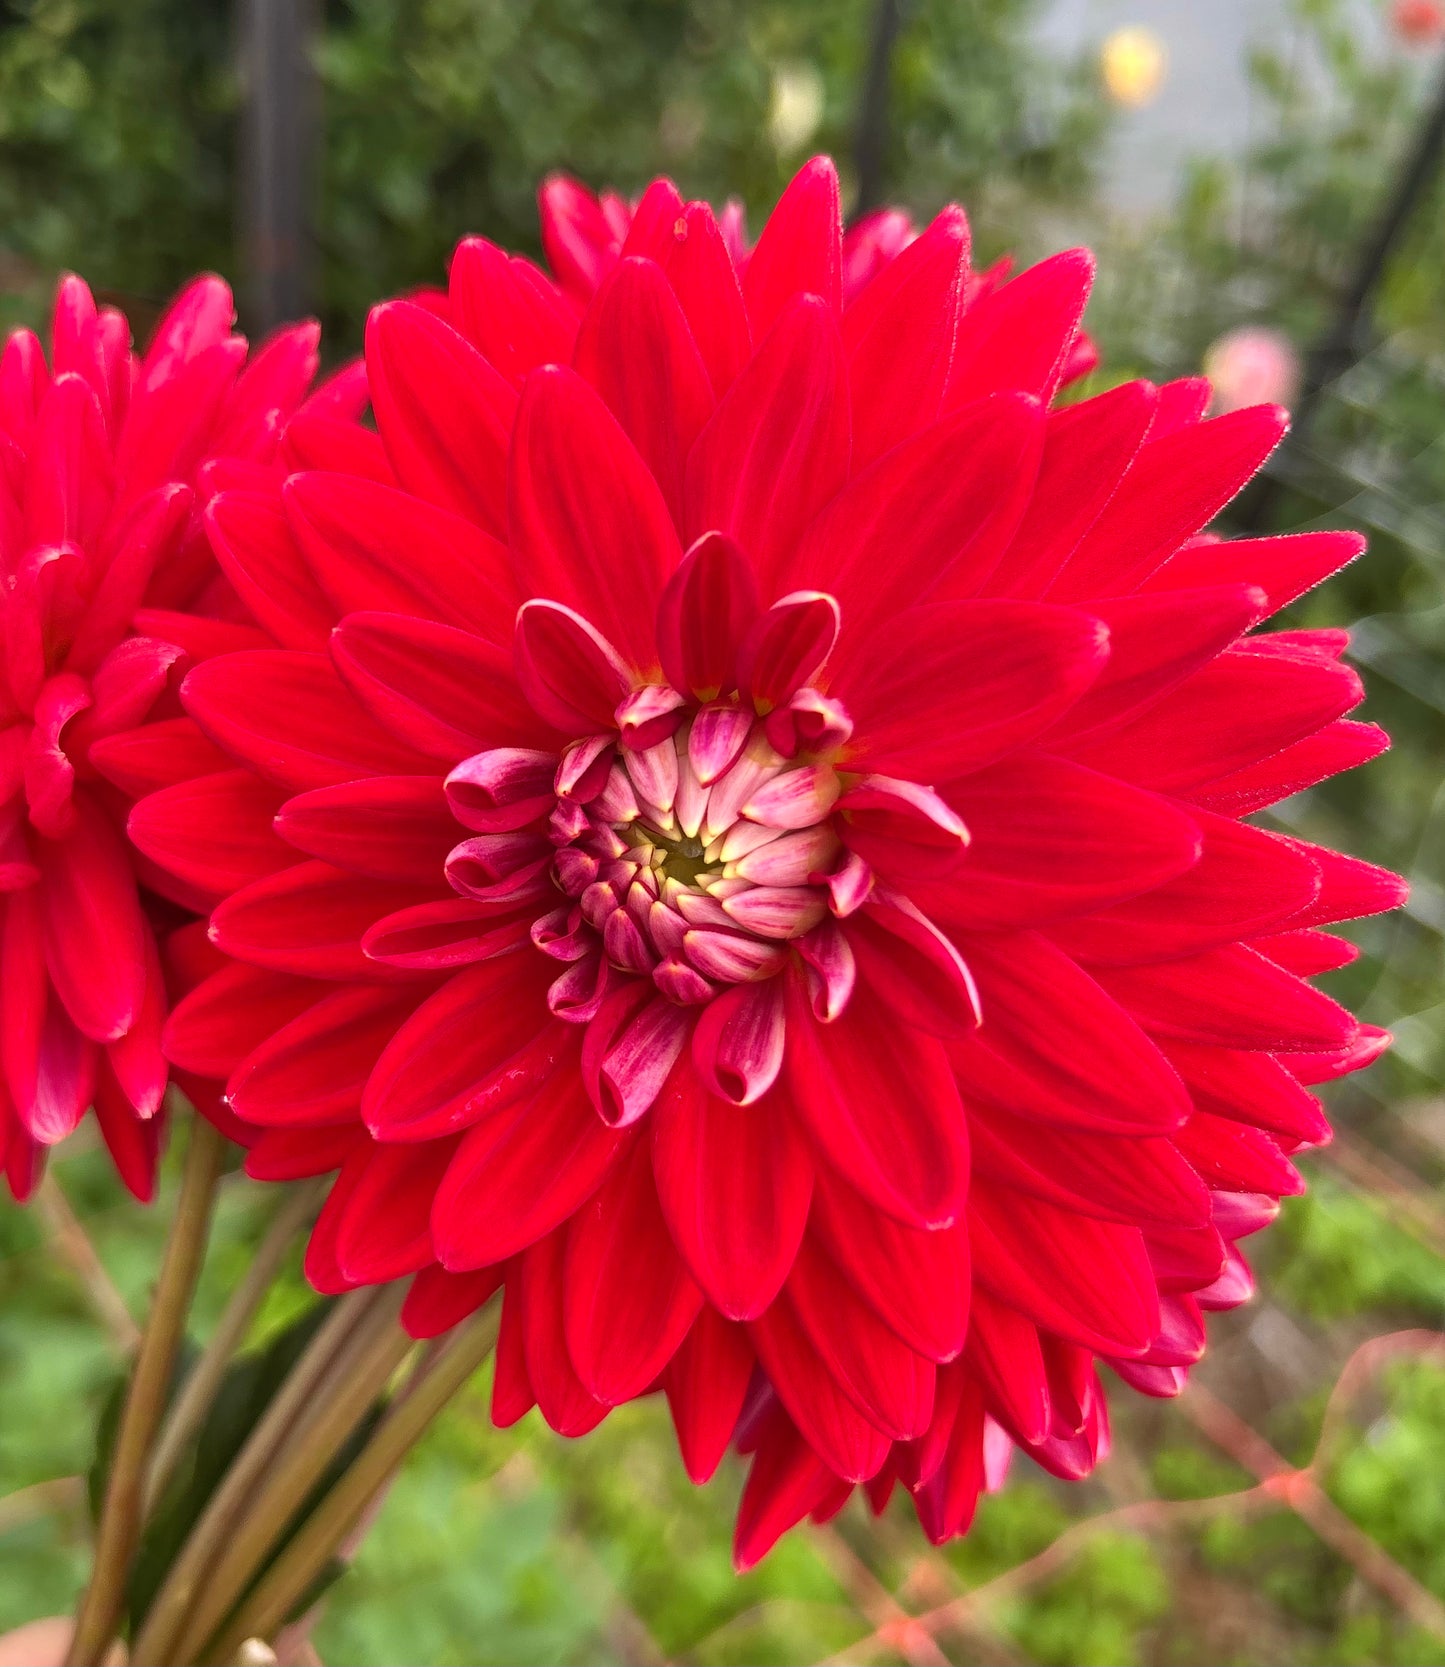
831	969
1234	1158
947	1501
629	1051
650	715
451	933
1089	1281
899	337
1137	1182
809	722
880	1105
1004	1352
912	968
564	1400
702	275
704	615
1284	568
124	687
916	1282
1176	485
157	754
899	826
299	1154
312	1070
1055	1046
360	539
786	1481
502	789
441	1069
213	832
49	774
134	1142
1230	998
1155	642
95	934
316	440
1306	953
1182	403
443	691
1236	710
1051	839
43	1056
580	242
308	920
437	1300
787	647
734	1182
888	1383
628	1299
953	686
256	550
1252	1088
198	638
71	478
510	312
385	827
776	448
653	219
151	535
590	528
569	673
1019	337
292	718
1342	745
706	1381
382	1227
168	425
1246	881
799	248
136	1066
940	508
852	1446
635	348
512	1395
716	741
444	413
216	1024
1186	1260
737	1047
1349	888
1235	1284
521	1172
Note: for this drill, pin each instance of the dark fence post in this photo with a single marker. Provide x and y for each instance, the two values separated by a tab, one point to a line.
278	141
1343	343
871	146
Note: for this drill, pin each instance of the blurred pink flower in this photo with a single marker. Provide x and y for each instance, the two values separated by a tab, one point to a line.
1418	22
1253	365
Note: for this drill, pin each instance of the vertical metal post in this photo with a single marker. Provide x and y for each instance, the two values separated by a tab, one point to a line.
278	140
871	146
1342	344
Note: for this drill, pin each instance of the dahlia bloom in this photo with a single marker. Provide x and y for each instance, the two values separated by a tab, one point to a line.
103	453
739	839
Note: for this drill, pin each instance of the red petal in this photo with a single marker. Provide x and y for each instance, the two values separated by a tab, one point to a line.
880	1105
444	413
629	1300
701	272
734	1184
438	1300
386	827
589	526
706	1381
564	1400
1019	337
799	249
1284	568
213	832
258	554
704	615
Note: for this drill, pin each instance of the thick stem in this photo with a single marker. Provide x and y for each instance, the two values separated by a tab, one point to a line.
206	1376
168	1612
352	1388
120	1519
298	1567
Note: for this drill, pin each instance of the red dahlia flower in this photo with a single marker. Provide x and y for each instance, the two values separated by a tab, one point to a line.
101	453
744	837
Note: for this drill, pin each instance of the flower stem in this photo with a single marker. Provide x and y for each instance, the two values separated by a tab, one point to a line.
352	1386
206	1376
120	1519
293	1573
171	1605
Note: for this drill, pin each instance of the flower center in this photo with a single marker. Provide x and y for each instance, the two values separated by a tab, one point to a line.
695	860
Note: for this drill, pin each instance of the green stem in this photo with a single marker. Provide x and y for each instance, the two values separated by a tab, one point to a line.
206	1376
120	1519
352	1388
296	1570
170	1607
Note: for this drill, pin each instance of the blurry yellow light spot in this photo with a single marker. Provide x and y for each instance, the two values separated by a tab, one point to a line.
796	110
1134	64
